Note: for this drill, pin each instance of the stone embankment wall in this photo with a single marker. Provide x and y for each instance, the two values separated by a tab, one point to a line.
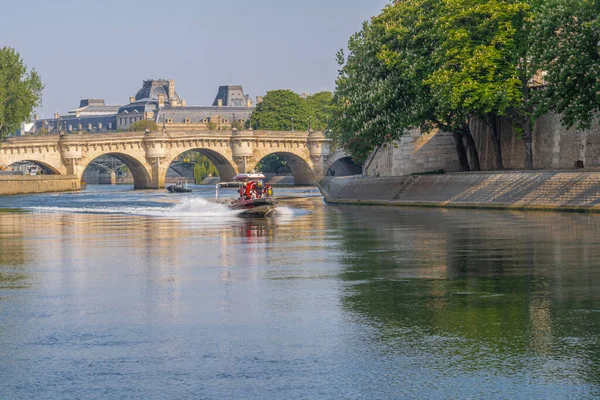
576	191
554	147
24	184
414	152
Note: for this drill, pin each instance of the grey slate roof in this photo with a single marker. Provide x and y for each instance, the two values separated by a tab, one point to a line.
231	95
152	88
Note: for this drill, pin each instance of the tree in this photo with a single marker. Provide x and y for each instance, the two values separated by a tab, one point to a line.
566	46
476	64
20	91
376	103
433	64
322	109
144	124
277	111
273	164
203	167
383	89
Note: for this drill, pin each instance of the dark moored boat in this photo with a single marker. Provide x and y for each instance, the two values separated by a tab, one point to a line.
179	187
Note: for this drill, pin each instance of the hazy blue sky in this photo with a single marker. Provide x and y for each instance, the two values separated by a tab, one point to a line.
105	48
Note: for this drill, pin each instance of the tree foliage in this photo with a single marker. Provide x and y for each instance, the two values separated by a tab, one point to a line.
144	124
566	46
273	164
322	109
278	108
285	110
203	167
434	64
20	91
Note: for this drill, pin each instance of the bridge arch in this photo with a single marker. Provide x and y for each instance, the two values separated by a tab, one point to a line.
47	168
302	170
142	178
341	164
226	168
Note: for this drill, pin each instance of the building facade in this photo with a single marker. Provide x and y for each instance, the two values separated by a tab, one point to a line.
156	101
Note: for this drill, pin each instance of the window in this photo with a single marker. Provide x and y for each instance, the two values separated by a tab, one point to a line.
99	125
89	127
70	128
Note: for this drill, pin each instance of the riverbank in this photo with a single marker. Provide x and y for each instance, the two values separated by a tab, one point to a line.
520	190
26	184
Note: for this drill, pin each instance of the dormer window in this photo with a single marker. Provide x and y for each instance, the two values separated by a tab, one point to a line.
187	121
169	121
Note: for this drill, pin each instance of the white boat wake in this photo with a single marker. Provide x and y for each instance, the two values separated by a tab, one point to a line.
196	208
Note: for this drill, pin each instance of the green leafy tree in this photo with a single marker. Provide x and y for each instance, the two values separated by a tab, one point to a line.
373	102
20	91
273	164
476	63
144	124
566	47
382	87
203	167
278	109
322	109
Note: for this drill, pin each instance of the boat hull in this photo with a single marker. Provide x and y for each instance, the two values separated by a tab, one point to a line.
254	208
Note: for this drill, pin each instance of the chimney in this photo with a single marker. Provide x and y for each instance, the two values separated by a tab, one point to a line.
171	91
248	102
258	99
161	100
220	103
131	99
183	103
174	103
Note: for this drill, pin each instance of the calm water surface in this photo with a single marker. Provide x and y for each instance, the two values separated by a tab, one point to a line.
113	293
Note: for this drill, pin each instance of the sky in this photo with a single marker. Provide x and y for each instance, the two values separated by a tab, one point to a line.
106	48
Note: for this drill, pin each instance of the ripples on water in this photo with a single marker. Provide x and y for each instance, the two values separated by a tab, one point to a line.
114	293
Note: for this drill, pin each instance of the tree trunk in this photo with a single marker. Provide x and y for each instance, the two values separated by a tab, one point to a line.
528	144
463	161
472	150
496	139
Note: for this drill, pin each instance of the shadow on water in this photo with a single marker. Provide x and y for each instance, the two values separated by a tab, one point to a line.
485	291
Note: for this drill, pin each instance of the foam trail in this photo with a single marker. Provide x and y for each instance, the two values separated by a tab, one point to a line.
189	207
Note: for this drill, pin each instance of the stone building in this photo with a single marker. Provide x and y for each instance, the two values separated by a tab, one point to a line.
157	101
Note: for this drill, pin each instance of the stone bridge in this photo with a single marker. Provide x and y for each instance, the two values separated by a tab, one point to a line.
149	155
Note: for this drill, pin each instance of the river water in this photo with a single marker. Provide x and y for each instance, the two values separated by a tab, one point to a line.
113	293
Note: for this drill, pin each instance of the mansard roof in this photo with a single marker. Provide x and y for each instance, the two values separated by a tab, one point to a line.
153	87
231	95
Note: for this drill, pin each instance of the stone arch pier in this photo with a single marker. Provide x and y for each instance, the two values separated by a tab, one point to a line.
149	155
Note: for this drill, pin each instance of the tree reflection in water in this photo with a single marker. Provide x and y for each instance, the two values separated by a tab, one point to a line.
501	292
